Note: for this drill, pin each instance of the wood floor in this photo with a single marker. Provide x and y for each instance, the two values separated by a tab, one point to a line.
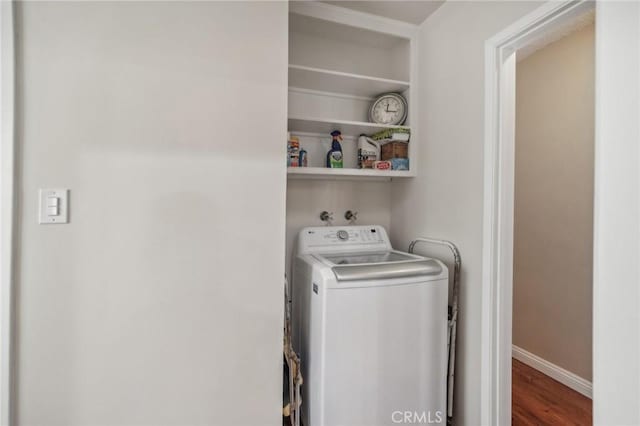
539	400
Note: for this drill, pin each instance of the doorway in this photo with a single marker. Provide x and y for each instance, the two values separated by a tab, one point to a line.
549	21
553	229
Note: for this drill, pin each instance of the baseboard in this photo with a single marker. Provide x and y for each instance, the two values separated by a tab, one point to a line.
563	376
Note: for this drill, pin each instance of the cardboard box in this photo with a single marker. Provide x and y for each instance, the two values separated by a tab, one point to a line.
394	150
399	164
382	165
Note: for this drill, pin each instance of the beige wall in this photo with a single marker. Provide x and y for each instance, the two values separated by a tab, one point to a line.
553	243
160	303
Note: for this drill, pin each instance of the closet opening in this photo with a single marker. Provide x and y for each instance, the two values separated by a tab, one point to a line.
553	228
538	216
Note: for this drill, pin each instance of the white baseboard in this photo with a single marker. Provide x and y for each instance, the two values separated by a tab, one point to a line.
563	376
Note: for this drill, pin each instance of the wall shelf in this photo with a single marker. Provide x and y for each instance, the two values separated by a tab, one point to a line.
338	64
326	126
323	172
341	82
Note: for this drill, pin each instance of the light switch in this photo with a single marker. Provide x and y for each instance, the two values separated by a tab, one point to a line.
54	206
53	201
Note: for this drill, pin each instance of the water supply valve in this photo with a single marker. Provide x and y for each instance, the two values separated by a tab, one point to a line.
351	216
326	217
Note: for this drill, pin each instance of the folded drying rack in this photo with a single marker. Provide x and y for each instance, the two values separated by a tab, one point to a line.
293	400
453	315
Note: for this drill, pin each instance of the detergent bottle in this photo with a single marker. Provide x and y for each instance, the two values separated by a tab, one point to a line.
334	156
368	152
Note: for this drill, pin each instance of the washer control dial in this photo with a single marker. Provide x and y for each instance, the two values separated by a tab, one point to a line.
343	235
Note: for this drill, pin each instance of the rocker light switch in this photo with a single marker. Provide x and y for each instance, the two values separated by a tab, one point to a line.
54	206
53	201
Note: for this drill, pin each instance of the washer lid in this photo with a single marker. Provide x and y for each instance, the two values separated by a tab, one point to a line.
366	258
380	266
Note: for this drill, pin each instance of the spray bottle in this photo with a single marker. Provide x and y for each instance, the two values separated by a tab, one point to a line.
334	156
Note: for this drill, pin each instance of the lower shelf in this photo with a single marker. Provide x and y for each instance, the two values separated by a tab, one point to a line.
326	173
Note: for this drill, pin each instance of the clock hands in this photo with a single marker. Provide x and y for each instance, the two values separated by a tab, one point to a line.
387	110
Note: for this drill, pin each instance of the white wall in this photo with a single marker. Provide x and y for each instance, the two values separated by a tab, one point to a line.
616	294
306	198
446	200
161	302
553	208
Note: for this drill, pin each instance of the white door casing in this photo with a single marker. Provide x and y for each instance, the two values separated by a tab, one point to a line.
7	217
7	207
497	278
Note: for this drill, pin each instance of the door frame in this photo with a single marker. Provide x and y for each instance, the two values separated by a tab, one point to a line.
8	206
499	163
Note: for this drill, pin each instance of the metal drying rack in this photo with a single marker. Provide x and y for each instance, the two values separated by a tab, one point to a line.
294	365
453	315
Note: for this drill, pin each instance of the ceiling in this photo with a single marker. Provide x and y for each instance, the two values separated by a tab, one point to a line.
413	12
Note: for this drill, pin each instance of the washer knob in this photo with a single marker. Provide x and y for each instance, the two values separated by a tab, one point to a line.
343	235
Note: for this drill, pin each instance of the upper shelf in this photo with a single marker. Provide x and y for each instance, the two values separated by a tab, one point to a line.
342	82
325	126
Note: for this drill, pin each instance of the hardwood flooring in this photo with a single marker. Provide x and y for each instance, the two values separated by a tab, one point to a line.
538	400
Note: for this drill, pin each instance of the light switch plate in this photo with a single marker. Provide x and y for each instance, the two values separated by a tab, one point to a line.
53	201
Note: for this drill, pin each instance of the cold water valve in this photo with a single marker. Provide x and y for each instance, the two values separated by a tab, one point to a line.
351	216
326	217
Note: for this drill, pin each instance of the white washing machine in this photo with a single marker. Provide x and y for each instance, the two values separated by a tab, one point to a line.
370	325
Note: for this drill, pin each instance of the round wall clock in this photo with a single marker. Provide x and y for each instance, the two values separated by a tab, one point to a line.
390	108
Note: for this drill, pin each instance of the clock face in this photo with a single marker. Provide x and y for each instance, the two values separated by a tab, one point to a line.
389	109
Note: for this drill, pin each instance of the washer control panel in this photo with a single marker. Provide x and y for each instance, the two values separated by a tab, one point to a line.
336	238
